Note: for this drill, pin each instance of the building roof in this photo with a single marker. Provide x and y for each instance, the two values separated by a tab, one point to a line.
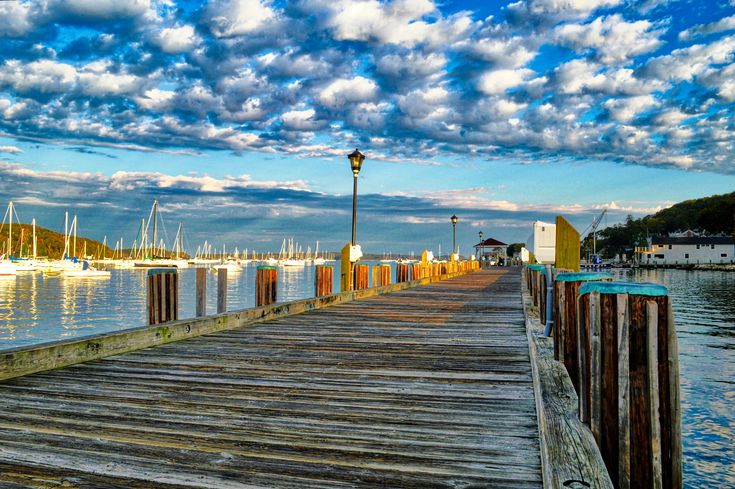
490	242
694	240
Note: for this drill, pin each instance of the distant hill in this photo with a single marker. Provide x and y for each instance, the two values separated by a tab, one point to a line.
708	215
48	243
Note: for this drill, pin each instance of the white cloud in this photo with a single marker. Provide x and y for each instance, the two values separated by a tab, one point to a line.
614	39
625	109
15	19
724	24
101	9
552	10
399	22
345	91
301	120
687	63
48	76
126	181
503	53
411	65
155	99
228	18
496	82
10	149
176	39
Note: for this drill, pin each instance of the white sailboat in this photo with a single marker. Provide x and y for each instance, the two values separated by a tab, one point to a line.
317	259
7	267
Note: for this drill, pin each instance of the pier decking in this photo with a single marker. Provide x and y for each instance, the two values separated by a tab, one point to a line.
426	387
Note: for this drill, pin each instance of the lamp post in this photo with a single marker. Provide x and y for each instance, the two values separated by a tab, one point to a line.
481	250
356	158
454	235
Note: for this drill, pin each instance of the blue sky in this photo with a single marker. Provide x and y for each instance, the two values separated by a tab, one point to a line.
238	114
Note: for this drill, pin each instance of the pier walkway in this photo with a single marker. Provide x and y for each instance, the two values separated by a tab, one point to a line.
426	387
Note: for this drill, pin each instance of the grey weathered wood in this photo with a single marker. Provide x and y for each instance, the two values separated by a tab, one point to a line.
221	290
201	292
425	387
623	327
595	384
674	401
561	320
652	394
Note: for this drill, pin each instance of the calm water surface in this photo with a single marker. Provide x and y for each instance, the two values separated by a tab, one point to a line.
35	309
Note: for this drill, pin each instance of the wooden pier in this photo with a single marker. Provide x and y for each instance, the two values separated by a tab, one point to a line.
426	387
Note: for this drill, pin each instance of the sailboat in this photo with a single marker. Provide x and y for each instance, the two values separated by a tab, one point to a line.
317	259
287	258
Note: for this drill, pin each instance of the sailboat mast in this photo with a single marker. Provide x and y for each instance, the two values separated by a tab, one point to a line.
66	234
74	226
34	237
10	231
155	225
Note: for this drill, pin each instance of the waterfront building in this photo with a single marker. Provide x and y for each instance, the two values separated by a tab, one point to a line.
542	243
687	249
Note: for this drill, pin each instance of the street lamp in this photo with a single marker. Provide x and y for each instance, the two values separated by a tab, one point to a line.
454	234
356	158
481	250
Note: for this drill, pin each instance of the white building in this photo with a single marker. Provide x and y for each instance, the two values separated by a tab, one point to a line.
542	242
688	250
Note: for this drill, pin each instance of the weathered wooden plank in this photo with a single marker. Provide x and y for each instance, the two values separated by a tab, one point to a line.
652	394
623	345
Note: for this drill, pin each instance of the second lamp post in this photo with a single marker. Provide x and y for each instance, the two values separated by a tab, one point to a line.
454	235
356	158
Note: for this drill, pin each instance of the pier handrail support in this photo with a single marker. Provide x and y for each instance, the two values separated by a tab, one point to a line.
549	301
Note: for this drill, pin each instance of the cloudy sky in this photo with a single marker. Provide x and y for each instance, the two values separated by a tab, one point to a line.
238	115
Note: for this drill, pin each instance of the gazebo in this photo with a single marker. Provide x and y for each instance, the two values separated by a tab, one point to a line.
491	250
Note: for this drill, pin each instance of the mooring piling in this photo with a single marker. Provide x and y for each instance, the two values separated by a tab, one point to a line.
162	296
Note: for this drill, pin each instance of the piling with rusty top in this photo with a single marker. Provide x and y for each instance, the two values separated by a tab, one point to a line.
323	280
266	278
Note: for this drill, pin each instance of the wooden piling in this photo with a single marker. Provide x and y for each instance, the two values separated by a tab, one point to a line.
266	279
415	271
384	275
323	280
201	292
221	290
163	293
564	313
629	392
362	272
402	273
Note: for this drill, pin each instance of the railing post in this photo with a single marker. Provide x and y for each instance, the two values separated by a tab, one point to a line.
384	275
323	280
201	292
266	278
163	291
402	273
221	290
362	273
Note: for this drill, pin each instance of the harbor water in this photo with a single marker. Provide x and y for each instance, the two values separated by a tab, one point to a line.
37	309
